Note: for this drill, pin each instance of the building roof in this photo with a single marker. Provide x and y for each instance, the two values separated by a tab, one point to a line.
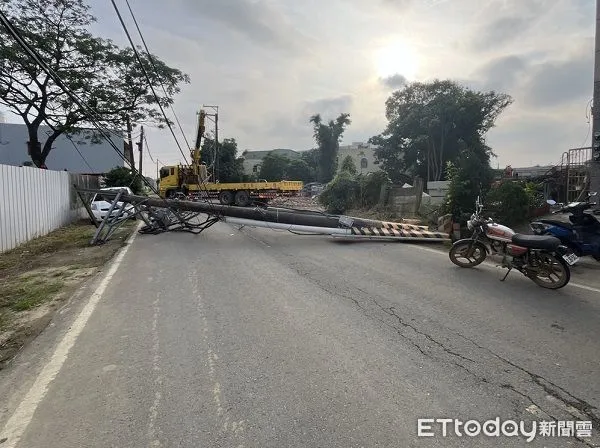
77	154
258	155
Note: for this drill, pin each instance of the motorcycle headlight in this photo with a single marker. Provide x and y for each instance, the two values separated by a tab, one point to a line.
538	227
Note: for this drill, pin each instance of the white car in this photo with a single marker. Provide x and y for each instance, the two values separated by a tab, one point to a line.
100	205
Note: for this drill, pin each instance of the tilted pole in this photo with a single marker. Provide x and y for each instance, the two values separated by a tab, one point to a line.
595	162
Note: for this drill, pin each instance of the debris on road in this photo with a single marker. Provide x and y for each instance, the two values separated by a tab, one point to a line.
163	215
297	202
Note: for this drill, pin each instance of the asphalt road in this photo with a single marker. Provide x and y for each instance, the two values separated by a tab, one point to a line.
260	338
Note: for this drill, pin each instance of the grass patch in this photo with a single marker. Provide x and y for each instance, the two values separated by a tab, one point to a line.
43	270
29	292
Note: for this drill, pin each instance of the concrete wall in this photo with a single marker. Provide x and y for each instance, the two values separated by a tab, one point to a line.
34	202
437	190
94	158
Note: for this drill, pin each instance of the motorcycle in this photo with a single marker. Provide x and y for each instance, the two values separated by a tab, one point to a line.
581	234
540	258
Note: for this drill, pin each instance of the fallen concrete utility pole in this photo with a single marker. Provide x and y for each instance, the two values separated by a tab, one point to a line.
371	233
174	217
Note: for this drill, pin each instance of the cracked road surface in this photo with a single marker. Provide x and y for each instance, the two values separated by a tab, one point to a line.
258	338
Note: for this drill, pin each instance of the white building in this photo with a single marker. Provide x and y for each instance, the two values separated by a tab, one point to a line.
363	155
253	159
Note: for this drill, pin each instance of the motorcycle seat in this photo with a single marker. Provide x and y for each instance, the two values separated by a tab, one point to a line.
536	241
554	222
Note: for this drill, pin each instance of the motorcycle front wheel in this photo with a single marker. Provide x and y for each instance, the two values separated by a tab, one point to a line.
552	271
467	253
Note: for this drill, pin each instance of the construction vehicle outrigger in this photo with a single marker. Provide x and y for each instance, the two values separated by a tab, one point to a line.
193	181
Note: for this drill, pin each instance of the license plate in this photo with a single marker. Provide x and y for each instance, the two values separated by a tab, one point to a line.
571	259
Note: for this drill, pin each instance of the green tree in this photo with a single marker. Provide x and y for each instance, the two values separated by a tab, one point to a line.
106	78
348	165
123	177
370	187
274	167
430	123
341	193
470	175
328	138
228	167
509	203
299	170
311	157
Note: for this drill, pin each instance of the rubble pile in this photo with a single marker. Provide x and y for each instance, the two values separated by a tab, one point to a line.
297	202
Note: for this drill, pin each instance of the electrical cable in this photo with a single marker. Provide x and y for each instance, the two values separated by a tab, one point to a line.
143	67
79	152
588	115
50	72
148	148
156	73
92	115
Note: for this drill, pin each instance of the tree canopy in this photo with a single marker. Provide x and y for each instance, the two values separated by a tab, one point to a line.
348	165
274	167
106	78
328	138
123	177
430	124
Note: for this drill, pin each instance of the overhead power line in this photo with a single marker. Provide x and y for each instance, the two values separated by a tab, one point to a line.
79	152
92	116
156	73
201	183
148	148
150	84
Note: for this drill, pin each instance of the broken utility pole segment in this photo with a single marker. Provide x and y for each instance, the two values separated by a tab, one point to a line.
165	215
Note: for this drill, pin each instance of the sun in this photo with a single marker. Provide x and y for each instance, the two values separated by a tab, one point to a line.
397	58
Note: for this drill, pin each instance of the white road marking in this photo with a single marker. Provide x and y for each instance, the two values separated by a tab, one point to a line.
17	424
153	414
494	265
227	427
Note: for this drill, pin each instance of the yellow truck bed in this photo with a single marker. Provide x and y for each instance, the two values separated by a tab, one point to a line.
251	186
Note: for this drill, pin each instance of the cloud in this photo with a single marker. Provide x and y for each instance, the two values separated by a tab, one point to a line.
499	32
329	108
394	82
256	20
532	138
271	64
500	74
555	83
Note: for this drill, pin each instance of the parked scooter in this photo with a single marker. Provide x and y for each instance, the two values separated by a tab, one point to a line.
540	258
581	234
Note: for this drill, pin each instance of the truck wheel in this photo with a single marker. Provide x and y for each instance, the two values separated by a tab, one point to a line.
242	198
226	197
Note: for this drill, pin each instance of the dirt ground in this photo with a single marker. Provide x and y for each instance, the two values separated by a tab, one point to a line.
37	277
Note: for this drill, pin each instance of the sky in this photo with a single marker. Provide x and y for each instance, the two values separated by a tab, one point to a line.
271	64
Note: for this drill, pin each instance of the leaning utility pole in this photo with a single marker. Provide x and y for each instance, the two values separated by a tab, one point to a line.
595	163
216	141
141	150
129	145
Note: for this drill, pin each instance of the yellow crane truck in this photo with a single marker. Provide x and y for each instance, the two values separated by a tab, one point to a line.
192	180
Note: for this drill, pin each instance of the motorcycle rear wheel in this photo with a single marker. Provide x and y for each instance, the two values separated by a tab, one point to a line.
460	252
554	273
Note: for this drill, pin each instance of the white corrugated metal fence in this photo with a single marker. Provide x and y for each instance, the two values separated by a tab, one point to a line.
33	202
